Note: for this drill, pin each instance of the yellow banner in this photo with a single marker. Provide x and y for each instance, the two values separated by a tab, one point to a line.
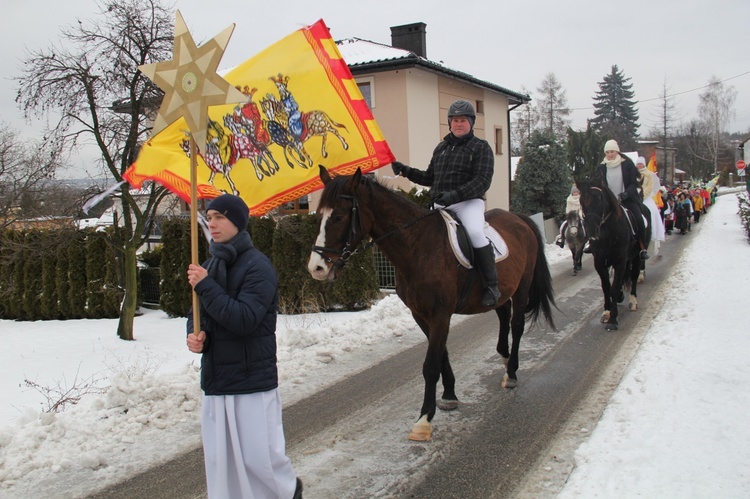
303	109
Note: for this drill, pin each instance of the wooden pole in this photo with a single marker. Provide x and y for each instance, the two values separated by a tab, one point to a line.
194	228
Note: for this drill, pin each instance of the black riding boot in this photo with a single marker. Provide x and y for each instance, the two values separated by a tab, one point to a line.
644	252
484	258
560	241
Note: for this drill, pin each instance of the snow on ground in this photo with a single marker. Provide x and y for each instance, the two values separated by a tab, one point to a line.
675	427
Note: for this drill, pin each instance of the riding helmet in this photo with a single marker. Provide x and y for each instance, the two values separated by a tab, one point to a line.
462	107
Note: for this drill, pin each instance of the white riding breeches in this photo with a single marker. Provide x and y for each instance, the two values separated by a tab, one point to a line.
471	215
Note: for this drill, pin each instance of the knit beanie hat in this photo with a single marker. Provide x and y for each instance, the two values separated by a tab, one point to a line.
611	145
640	162
232	207
573	189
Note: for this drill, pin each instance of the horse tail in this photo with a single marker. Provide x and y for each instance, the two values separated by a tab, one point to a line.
541	293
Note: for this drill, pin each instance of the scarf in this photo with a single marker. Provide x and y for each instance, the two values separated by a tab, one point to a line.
224	255
614	163
613	174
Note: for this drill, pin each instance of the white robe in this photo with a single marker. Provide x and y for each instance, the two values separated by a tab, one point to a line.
657	224
244	447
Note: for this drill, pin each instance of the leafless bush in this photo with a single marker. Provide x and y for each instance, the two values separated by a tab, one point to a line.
62	395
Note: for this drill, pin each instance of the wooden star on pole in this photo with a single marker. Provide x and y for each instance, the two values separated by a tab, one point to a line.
190	81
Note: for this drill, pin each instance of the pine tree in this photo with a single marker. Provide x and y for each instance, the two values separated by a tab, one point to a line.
585	151
615	116
542	181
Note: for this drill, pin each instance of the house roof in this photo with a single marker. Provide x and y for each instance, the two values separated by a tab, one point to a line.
365	56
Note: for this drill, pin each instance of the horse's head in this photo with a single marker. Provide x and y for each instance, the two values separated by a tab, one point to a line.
574	222
342	227
597	205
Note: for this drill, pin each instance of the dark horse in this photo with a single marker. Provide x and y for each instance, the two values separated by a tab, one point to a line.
612	245
575	238
429	279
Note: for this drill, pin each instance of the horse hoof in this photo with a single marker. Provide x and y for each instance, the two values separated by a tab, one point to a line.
421	431
509	382
605	317
447	405
633	305
611	327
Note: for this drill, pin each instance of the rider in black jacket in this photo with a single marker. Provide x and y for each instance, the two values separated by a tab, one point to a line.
619	174
460	173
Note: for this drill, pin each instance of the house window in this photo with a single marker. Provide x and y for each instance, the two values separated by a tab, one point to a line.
366	88
300	206
480	107
498	140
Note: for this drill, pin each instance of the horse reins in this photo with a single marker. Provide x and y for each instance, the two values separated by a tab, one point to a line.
345	252
603	217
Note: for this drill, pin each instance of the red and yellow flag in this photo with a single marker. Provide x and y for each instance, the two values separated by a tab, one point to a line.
303	109
652	163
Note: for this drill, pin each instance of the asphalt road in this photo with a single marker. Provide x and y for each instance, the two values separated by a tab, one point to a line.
497	444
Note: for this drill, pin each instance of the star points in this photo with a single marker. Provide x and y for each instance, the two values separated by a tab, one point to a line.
190	82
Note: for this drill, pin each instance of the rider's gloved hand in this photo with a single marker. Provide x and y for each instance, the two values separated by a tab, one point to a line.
624	195
400	168
445	198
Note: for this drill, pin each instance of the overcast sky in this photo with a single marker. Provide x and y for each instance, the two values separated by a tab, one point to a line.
513	43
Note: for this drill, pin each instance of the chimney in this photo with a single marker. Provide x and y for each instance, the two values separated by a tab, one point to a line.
411	37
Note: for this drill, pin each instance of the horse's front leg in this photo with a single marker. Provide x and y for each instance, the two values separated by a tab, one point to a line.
616	296
449	400
635	273
433	364
603	271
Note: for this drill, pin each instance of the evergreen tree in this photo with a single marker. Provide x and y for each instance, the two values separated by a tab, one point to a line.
585	151
542	179
615	116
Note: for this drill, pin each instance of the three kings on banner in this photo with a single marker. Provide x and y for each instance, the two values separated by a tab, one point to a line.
303	109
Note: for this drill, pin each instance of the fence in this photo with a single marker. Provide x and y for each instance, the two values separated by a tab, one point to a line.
386	272
150	278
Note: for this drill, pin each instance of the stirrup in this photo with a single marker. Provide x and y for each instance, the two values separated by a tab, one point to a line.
560	242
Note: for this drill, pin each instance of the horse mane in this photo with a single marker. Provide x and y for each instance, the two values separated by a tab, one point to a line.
338	186
587	184
572	215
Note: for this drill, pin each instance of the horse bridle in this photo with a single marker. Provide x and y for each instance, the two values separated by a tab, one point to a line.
603	217
346	253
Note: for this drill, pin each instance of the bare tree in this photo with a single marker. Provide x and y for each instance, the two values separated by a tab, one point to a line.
80	81
552	108
666	117
716	109
525	120
23	169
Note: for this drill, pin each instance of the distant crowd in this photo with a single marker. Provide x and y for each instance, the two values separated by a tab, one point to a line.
680	207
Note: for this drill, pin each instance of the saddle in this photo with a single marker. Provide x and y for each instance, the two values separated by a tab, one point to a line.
461	245
629	215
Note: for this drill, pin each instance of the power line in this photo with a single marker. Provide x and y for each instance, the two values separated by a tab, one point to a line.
671	95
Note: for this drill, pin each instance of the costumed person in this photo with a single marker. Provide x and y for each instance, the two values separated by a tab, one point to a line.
572	203
241	424
460	173
619	174
650	187
682	210
697	204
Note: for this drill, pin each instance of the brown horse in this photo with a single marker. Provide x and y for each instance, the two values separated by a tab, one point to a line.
429	279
